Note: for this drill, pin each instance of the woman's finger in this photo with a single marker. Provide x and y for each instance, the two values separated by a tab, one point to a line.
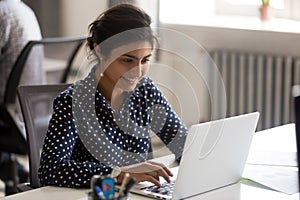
165	168
146	177
164	174
161	170
152	179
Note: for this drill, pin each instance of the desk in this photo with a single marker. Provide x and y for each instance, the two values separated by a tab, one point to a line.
49	193
240	191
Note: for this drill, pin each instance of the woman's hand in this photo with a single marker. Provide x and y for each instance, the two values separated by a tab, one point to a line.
147	171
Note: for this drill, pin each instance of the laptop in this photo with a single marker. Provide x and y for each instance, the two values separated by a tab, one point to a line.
214	156
296	94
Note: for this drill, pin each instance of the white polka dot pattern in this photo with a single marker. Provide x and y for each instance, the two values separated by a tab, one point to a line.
88	137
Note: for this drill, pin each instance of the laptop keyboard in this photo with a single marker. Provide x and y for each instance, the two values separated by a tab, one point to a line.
165	189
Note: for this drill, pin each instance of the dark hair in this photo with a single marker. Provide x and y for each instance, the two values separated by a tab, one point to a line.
119	19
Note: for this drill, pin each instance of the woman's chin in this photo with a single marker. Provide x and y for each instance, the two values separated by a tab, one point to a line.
127	86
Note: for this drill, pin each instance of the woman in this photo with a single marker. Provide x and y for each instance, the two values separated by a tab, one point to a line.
101	125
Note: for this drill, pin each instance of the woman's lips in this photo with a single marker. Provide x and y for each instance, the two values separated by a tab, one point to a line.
131	80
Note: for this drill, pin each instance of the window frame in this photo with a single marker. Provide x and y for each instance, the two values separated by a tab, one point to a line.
223	7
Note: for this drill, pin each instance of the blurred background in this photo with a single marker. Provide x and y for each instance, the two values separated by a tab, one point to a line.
256	54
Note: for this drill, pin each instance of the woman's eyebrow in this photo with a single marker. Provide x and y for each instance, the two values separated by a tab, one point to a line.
136	58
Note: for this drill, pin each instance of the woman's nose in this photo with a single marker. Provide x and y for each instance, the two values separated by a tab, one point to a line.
137	70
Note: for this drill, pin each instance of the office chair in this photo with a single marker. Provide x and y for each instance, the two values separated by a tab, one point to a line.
33	97
62	51
59	49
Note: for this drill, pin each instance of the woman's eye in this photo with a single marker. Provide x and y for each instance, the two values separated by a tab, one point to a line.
127	60
145	60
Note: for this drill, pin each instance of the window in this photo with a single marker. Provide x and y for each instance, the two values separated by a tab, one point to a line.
191	11
282	8
187	11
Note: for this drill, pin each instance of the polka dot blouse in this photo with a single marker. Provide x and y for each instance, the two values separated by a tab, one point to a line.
87	137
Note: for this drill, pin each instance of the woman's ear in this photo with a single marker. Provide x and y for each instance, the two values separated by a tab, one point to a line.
97	50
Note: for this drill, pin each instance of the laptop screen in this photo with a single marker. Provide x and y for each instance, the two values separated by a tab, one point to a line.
296	94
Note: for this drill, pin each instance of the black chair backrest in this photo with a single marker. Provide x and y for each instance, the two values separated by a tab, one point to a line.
16	73
63	49
32	98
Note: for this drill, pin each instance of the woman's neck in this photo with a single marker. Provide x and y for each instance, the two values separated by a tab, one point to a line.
113	95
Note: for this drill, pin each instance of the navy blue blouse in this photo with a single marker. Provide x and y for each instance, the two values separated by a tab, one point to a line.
87	137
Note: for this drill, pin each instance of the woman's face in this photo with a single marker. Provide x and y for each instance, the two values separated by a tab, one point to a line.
126	70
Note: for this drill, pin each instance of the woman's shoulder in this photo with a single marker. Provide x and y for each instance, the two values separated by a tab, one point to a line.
147	83
64	96
74	90
68	93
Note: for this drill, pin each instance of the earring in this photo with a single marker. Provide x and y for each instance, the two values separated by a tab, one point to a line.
100	59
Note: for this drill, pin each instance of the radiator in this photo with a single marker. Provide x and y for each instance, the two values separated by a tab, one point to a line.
258	82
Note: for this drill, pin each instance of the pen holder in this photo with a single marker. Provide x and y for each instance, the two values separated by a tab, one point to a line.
103	188
92	196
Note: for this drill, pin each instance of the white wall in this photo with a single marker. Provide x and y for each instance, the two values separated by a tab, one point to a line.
240	39
77	15
151	7
258	41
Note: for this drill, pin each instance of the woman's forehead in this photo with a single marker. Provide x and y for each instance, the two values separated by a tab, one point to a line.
132	48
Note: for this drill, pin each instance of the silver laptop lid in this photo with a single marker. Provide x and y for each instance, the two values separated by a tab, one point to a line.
214	155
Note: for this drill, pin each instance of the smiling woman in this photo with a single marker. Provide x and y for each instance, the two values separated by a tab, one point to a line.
123	73
101	124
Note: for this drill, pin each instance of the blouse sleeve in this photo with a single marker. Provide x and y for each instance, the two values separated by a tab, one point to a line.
167	124
57	166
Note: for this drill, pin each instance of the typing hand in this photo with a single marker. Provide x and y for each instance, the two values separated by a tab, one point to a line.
147	171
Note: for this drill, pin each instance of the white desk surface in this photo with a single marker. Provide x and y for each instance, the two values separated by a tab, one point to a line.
234	192
276	137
